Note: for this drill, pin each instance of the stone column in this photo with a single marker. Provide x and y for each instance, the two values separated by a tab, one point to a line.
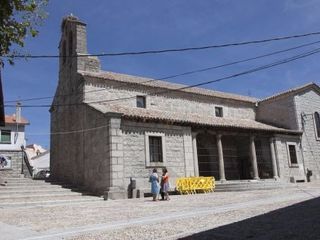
195	154
254	158
116	189
188	153
221	160
273	159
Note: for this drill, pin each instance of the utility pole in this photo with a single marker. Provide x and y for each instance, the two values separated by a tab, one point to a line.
2	117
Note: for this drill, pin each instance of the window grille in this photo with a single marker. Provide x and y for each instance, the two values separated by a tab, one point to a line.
293	154
155	148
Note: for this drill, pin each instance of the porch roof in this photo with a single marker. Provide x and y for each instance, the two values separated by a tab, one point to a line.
188	118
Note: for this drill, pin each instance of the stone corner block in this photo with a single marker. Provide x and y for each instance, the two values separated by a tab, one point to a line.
114	194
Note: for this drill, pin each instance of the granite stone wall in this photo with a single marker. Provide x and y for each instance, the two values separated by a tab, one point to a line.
68	114
287	171
307	104
15	158
170	101
178	157
279	112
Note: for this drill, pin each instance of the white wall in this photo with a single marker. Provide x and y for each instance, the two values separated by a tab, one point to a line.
17	138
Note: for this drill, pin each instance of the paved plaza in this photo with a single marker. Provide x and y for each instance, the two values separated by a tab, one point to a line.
291	213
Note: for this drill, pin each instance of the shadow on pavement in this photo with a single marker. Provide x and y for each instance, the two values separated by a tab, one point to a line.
299	221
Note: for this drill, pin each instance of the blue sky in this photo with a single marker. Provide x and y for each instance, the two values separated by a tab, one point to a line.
126	25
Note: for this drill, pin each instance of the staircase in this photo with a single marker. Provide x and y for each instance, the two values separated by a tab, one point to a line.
20	192
249	185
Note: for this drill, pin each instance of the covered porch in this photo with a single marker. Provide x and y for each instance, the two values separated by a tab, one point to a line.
234	155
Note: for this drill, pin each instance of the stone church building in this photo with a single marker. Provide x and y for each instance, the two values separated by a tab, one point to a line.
109	127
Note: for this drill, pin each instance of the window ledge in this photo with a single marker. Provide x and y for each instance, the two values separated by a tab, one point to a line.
155	164
296	165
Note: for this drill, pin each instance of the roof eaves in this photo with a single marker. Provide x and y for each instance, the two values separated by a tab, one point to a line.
159	119
291	91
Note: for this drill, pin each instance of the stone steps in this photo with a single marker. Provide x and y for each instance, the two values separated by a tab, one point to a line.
11	191
250	185
29	195
35	187
26	184
21	192
46	202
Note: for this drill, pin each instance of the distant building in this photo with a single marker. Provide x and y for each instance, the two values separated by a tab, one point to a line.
39	158
12	138
101	143
33	150
40	163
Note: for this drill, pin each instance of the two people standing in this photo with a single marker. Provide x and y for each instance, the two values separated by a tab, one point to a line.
159	184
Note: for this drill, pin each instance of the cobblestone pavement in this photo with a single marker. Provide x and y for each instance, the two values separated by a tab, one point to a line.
231	215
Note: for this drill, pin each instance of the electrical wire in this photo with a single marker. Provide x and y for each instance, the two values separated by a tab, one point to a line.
169	50
179	74
280	62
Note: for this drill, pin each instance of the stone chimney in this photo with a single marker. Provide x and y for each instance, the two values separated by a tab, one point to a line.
18	112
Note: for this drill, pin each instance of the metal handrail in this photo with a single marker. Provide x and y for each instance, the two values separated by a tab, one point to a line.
26	161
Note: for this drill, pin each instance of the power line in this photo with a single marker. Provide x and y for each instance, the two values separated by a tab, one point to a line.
180	74
280	62
169	50
71	132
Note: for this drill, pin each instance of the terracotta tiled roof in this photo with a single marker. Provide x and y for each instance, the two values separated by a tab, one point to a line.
11	119
165	85
177	117
293	91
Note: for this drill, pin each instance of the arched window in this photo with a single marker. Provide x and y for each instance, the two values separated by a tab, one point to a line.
70	43
64	51
317	120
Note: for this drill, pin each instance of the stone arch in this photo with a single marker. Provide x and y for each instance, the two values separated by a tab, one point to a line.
70	43
64	51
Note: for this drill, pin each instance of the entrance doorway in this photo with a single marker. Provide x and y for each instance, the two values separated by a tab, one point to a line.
207	155
236	154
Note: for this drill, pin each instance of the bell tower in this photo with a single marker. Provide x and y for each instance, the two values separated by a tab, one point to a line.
73	47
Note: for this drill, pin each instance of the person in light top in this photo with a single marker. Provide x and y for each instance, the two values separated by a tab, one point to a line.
155	186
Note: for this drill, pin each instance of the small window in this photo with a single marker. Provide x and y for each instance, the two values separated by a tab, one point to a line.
5	136
155	148
293	154
317	120
141	101
218	111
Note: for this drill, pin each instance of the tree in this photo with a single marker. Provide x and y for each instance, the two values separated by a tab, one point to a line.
19	19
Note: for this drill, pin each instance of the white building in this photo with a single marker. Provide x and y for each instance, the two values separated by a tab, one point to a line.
12	138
